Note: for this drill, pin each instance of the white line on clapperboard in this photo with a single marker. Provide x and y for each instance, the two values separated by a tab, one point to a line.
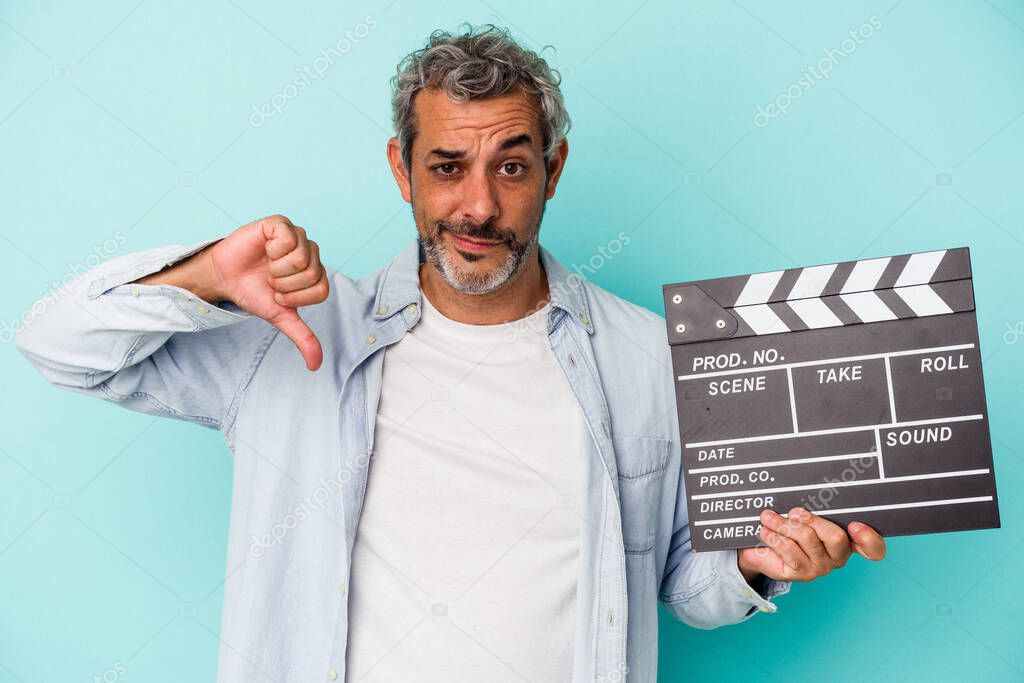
837	430
866	508
795	461
792	400
826	361
837	484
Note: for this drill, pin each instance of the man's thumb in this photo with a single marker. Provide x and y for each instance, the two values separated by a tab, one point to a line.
289	322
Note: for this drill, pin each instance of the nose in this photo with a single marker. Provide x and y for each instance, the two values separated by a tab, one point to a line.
479	198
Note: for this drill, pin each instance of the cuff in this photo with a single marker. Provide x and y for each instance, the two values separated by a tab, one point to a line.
758	595
118	280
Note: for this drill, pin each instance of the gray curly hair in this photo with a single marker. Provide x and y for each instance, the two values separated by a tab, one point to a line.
480	63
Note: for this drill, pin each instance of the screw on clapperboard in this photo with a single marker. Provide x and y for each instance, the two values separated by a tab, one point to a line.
678	299
681	328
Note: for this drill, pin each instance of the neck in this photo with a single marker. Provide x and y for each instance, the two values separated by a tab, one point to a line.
516	299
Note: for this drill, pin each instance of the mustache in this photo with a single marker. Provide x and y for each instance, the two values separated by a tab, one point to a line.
488	232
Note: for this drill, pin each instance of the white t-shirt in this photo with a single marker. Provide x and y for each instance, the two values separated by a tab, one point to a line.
466	556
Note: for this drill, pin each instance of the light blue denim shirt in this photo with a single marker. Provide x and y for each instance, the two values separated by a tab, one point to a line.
301	443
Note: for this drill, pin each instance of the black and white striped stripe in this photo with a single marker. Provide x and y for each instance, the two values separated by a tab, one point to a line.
866	291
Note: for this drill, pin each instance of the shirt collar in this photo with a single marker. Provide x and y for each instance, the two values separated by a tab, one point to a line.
400	285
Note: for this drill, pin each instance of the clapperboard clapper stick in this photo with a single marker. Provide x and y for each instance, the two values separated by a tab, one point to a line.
852	389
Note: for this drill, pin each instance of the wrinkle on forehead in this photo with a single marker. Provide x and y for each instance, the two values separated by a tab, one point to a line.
478	121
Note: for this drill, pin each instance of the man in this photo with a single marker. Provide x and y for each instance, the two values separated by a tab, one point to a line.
523	511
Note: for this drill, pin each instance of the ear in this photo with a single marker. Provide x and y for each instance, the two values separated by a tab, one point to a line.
555	166
399	170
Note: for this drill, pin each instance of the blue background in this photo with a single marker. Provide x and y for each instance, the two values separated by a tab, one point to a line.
135	119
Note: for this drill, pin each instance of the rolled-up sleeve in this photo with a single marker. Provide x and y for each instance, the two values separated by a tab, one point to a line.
706	589
158	349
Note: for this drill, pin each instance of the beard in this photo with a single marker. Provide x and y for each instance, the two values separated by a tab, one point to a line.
450	263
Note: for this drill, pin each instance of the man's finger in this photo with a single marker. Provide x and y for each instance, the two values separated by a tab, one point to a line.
289	322
309	296
293	261
279	235
301	280
776	533
833	537
793	557
866	541
798	527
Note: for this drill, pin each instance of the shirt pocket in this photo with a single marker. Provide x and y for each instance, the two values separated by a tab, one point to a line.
641	462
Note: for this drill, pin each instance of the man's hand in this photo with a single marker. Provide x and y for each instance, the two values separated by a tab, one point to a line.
268	268
805	546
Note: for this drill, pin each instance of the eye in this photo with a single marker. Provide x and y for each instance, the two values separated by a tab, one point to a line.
513	165
445	169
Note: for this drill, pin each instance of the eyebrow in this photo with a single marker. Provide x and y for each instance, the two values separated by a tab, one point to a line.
516	141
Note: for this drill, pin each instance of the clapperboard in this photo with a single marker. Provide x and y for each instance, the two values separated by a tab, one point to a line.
852	389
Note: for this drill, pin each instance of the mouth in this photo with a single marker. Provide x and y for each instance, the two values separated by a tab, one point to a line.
468	244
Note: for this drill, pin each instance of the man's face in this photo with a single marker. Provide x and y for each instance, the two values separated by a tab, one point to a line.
478	186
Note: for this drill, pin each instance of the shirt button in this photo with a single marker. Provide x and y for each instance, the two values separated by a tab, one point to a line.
370	339
341	589
135	291
332	674
764	609
749	593
585	320
203	309
410	309
382	310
